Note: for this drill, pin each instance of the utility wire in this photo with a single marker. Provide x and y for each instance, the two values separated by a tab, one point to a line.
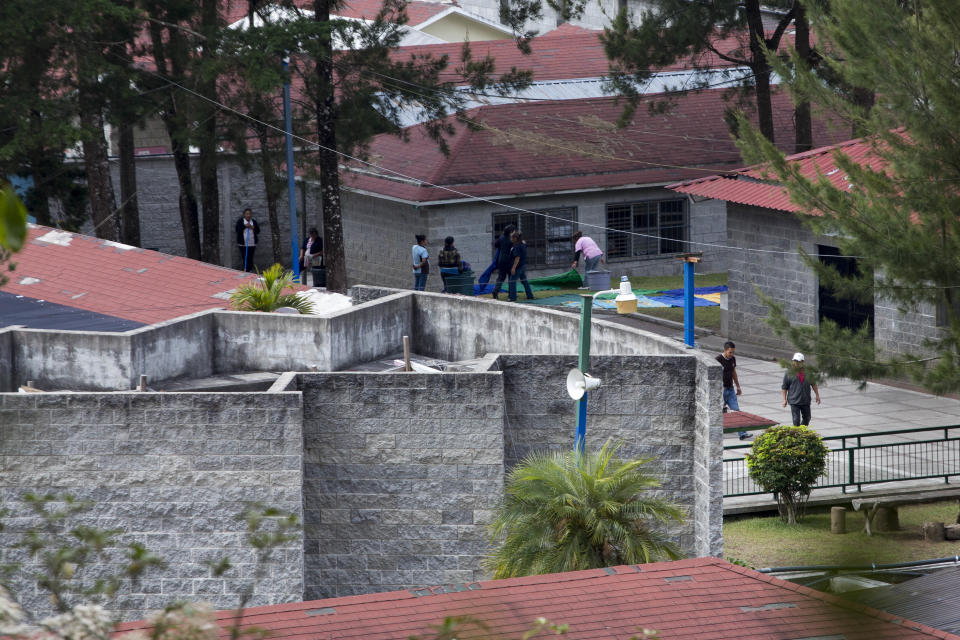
422	183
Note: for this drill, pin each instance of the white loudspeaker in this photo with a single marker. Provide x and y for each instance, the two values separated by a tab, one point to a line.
579	383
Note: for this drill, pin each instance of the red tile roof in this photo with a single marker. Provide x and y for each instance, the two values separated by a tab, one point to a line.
751	186
683	600
527	148
417	10
117	280
566	52
741	420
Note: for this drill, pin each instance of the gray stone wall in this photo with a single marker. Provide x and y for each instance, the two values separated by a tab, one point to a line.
708	459
649	403
378	236
457	328
160	226
401	472
169	470
780	274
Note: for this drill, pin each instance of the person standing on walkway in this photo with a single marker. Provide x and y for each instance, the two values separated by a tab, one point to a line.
730	380
311	250
518	270
421	264
247	232
796	391
592	255
503	245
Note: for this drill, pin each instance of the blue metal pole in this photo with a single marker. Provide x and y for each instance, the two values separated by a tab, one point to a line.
291	190
583	363
688	303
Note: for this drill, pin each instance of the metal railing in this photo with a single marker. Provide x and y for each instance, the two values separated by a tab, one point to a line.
856	460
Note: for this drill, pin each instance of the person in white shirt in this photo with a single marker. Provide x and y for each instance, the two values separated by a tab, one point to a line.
247	232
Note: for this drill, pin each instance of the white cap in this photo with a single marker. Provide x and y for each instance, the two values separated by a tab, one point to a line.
798	357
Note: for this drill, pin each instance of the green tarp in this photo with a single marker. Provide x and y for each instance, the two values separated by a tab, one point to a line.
569	280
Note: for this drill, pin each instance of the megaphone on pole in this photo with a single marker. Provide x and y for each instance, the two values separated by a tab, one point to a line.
578	383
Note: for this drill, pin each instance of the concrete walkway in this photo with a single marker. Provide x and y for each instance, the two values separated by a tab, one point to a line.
845	410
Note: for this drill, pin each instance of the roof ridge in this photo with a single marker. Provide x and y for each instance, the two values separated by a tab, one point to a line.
464	134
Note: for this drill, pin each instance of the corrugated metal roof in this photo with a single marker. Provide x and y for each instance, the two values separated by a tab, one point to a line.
933	599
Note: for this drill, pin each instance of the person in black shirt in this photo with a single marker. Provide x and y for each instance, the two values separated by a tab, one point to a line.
518	267
503	245
729	363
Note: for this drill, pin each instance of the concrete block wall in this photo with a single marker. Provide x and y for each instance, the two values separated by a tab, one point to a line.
472	226
785	278
170	470
708	458
457	328
7	357
160	226
378	236
401	472
782	276
649	403
902	333
178	348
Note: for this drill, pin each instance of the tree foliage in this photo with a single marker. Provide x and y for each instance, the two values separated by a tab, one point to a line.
897	213
669	30
787	461
566	511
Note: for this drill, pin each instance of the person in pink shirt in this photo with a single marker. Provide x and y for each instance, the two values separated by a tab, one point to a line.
592	255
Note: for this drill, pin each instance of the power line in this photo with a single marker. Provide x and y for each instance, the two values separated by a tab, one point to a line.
398	174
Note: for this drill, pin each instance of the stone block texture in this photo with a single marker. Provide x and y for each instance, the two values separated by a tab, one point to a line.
169	470
400	473
781	274
649	403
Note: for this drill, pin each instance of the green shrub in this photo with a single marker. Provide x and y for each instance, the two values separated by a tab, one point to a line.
273	290
787	461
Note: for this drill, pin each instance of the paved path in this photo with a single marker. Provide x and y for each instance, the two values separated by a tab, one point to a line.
846	409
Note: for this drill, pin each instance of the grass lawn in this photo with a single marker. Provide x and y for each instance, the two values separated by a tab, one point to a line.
706	317
768	542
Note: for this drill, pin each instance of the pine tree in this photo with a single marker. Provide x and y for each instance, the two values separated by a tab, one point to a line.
671	30
898	214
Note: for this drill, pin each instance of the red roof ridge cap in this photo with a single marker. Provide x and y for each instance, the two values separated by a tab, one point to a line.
460	138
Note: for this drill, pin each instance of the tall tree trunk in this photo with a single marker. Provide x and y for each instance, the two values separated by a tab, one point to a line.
97	165
328	160
272	189
175	121
129	205
760	68
209	183
802	119
864	98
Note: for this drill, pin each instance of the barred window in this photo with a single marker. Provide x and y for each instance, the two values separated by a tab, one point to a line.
547	236
663	224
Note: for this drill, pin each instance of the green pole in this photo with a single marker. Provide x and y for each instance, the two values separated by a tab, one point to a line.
583	363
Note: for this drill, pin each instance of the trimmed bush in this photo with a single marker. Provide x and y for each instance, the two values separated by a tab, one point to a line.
787	461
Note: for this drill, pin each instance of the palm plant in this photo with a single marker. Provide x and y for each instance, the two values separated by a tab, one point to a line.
566	511
274	289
